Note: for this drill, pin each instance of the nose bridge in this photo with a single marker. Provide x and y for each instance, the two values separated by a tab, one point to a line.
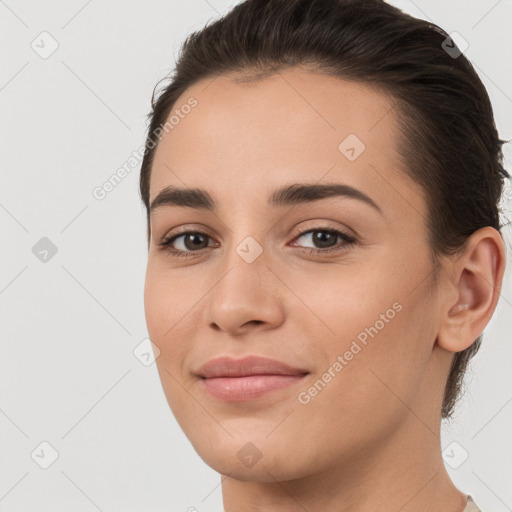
246	240
243	292
245	263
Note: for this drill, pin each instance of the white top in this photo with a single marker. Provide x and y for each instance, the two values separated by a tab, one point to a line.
471	506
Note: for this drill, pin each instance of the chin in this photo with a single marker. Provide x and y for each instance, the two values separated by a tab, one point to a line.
243	459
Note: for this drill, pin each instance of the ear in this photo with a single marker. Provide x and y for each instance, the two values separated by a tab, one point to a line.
473	291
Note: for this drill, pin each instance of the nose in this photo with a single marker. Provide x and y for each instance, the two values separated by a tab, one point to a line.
246	296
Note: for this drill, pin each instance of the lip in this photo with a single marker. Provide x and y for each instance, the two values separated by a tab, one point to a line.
227	366
251	377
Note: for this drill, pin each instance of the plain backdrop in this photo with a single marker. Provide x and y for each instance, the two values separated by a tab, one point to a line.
84	423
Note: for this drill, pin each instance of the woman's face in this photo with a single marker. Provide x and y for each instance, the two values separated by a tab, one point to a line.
273	279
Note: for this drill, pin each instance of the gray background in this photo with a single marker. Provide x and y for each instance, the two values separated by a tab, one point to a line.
70	324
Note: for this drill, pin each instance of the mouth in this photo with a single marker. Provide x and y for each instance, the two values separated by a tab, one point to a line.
249	387
233	380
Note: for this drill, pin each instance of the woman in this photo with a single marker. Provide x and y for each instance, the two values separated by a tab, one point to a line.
322	181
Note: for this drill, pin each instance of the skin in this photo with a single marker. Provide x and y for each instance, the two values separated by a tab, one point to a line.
371	436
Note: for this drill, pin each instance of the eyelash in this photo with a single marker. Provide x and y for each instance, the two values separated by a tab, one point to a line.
349	241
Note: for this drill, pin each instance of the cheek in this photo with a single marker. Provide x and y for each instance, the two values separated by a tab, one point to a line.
372	334
170	318
374	369
168	301
168	305
347	303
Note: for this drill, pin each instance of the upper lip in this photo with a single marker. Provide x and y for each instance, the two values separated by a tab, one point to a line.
227	366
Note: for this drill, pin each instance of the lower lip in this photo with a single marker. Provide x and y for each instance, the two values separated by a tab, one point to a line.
236	389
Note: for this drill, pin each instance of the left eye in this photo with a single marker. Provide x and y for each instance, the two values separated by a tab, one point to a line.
326	239
194	241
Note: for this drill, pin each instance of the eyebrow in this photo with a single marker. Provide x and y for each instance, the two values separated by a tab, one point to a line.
296	193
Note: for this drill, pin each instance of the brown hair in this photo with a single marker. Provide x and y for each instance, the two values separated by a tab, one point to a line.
448	138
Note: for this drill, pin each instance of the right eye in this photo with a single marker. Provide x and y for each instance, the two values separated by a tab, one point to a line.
193	241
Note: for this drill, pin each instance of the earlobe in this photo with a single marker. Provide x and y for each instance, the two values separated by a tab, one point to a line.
472	295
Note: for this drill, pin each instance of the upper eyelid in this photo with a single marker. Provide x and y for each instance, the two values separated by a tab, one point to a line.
300	231
166	239
316	225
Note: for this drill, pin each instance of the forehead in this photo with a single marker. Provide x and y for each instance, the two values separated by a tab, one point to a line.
296	125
